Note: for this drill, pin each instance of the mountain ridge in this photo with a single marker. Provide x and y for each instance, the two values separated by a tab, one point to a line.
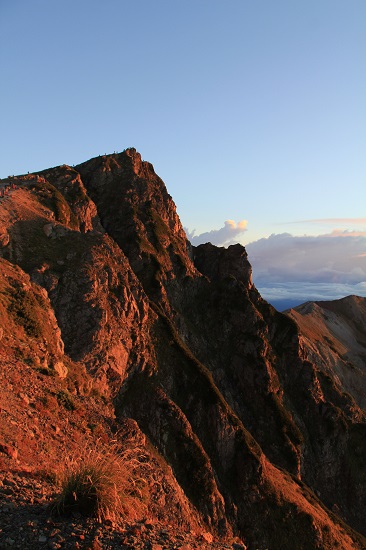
178	340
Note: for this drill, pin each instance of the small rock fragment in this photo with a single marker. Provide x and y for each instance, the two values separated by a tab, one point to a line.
61	370
9	451
207	537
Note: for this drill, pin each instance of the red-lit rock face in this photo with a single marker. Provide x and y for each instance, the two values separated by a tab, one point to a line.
240	410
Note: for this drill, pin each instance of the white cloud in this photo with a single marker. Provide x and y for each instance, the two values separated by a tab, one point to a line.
221	237
323	258
310	268
301	268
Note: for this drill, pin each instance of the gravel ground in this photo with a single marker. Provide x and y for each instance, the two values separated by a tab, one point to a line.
26	522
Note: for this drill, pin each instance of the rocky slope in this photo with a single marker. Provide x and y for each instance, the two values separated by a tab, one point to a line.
334	335
249	438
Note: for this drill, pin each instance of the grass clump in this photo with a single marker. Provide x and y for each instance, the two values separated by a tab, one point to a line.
103	485
23	306
66	400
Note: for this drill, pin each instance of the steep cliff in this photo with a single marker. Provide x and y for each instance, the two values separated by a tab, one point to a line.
179	340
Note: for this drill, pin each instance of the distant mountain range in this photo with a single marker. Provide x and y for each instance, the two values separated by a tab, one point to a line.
251	423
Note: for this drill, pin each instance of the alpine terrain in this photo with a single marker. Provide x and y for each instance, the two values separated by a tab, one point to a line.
227	424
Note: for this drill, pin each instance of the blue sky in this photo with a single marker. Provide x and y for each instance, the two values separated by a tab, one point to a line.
249	110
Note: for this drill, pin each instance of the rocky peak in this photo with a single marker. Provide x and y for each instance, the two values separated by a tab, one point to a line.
136	161
137	211
219	263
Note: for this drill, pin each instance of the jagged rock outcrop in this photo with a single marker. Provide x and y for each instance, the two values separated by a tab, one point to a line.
28	323
99	303
139	214
221	383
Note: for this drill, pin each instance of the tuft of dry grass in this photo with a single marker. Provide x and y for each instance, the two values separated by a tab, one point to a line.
105	484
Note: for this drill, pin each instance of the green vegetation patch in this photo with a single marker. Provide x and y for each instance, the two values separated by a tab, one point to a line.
66	400
23	306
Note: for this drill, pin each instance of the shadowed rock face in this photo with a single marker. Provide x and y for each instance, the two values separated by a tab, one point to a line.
242	403
139	214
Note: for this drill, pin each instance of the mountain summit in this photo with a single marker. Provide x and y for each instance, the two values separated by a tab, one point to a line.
246	425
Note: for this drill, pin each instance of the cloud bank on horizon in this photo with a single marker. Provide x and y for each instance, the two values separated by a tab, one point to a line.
221	237
301	268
